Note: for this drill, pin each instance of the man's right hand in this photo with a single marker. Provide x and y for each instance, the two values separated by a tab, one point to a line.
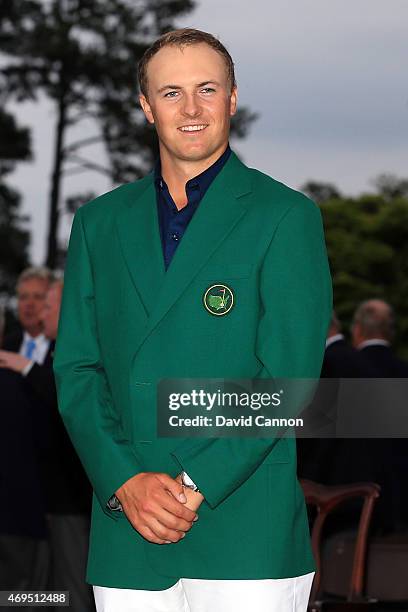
150	502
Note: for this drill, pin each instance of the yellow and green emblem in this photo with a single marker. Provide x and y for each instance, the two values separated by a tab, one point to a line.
218	300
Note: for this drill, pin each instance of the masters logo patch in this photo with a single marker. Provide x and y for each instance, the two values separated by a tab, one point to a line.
218	300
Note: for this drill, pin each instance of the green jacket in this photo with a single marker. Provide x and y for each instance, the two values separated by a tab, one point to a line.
126	323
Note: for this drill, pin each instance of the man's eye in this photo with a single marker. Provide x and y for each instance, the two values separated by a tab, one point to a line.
171	94
208	90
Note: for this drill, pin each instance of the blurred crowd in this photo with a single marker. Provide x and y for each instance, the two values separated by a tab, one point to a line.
46	497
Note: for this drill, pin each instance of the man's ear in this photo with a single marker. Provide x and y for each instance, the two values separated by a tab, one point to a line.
233	101
146	108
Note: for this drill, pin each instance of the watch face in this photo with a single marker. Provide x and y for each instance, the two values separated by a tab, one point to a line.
187	482
114	503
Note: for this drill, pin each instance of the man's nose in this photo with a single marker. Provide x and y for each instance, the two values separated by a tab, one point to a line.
191	106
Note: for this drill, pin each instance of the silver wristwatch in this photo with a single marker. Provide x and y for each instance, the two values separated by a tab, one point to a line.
114	504
188	483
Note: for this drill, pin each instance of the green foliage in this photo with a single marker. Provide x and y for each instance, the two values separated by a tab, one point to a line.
367	242
320	192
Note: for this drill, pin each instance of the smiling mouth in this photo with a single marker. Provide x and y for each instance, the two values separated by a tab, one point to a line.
193	128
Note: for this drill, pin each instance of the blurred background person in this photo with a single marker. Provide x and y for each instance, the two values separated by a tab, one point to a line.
340	359
67	492
24	348
24	558
325	458
29	341
373	331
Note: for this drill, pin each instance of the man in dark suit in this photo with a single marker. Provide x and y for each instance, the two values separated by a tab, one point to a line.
23	536
26	350
373	331
340	359
325	458
66	488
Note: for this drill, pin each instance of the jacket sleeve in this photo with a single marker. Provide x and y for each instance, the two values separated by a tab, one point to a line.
296	296
84	397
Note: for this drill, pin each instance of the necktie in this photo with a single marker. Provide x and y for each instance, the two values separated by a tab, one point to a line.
30	347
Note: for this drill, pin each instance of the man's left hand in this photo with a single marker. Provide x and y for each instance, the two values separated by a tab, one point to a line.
13	361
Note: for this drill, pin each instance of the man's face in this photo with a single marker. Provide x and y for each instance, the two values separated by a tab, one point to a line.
31	295
189	101
51	311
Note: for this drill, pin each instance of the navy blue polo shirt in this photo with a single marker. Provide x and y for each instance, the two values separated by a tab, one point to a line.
172	222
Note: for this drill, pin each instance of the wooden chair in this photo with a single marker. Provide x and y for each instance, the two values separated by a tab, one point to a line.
325	499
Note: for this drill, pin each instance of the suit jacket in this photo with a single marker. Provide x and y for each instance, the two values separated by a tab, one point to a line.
67	488
330	460
22	507
12	341
64	485
126	323
343	361
384	361
39	419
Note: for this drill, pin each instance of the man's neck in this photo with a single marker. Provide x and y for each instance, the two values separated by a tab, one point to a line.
177	172
34	333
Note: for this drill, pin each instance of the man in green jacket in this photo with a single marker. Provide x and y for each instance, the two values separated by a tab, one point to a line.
201	254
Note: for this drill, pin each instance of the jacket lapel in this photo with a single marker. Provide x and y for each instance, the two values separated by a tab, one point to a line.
219	211
139	236
138	228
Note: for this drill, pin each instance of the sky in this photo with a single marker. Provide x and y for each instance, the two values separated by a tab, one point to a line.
328	80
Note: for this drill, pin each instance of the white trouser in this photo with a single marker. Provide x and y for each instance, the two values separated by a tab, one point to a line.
196	595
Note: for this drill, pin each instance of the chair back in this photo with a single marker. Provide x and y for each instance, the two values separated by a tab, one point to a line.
325	499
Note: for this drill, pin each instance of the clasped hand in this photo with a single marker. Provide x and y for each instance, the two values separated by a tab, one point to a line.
158	506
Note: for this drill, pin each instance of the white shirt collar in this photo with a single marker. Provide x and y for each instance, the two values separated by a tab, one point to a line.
42	344
373	342
334	339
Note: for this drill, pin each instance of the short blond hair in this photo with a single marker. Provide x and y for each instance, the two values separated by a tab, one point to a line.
181	38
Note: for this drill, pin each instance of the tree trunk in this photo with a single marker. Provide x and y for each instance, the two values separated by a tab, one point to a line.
52	251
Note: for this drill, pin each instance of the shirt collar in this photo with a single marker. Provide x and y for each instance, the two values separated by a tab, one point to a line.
334	339
373	342
202	180
40	339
